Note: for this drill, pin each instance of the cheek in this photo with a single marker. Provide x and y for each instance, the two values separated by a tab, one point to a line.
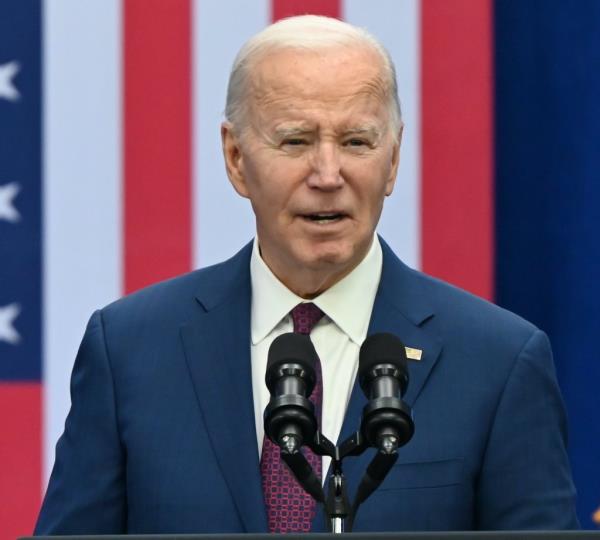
372	187
270	197
278	184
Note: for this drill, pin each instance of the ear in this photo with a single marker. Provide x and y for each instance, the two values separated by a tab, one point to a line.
391	181
232	154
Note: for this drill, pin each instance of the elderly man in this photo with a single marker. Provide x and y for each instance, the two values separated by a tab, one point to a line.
165	431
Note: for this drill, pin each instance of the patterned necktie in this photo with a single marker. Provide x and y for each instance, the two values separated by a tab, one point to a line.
289	508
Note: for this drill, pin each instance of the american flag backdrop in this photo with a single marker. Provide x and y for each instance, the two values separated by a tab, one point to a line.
111	178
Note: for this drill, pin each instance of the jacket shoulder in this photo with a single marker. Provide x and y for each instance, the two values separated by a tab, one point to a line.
468	308
176	299
458	315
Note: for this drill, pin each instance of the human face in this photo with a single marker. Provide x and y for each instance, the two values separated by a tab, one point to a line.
316	157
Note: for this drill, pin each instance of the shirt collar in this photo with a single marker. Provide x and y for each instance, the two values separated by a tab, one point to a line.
348	303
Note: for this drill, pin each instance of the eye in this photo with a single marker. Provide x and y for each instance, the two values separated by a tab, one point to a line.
355	142
294	142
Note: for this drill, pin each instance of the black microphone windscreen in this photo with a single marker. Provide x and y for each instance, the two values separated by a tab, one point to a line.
290	347
381	348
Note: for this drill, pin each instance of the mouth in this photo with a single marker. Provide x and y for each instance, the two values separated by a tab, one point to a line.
324	218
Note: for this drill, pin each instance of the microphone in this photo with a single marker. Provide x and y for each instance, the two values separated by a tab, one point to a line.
289	418
383	376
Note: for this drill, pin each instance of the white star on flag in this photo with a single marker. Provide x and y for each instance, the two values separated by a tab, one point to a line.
8	314
7	209
7	88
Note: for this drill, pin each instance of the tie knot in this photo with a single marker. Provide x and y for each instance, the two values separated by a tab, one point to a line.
305	316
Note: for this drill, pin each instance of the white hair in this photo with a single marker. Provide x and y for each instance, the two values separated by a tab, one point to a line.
312	33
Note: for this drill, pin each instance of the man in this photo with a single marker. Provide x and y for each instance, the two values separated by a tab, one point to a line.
165	431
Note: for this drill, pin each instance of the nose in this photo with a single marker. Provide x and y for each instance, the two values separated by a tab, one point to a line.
326	168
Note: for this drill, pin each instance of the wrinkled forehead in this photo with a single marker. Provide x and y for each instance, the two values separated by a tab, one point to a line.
333	74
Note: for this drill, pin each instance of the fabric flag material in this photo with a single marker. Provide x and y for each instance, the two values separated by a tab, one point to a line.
20	265
548	201
111	178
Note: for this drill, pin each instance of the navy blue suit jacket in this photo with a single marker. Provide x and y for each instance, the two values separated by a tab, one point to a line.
160	437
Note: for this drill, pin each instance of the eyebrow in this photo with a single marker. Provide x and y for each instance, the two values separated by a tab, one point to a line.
292	131
363	130
295	131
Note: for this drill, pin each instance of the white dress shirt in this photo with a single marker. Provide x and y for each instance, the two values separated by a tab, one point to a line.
337	337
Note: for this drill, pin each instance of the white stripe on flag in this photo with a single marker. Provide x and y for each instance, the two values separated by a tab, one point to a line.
397	25
223	221
82	185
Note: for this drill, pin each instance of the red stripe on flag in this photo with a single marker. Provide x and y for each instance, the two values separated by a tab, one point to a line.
157	140
457	161
20	455
288	8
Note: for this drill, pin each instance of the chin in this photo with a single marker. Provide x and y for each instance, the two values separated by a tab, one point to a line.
329	255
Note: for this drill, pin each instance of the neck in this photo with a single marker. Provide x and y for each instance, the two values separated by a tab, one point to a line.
307	282
309	285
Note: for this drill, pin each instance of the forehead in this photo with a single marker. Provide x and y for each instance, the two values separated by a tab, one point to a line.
334	77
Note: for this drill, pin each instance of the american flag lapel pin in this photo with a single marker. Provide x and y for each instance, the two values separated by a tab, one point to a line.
413	354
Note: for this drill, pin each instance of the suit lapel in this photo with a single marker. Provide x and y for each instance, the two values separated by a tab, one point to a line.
401	308
217	349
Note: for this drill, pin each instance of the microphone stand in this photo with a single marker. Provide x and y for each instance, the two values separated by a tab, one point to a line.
386	422
339	513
